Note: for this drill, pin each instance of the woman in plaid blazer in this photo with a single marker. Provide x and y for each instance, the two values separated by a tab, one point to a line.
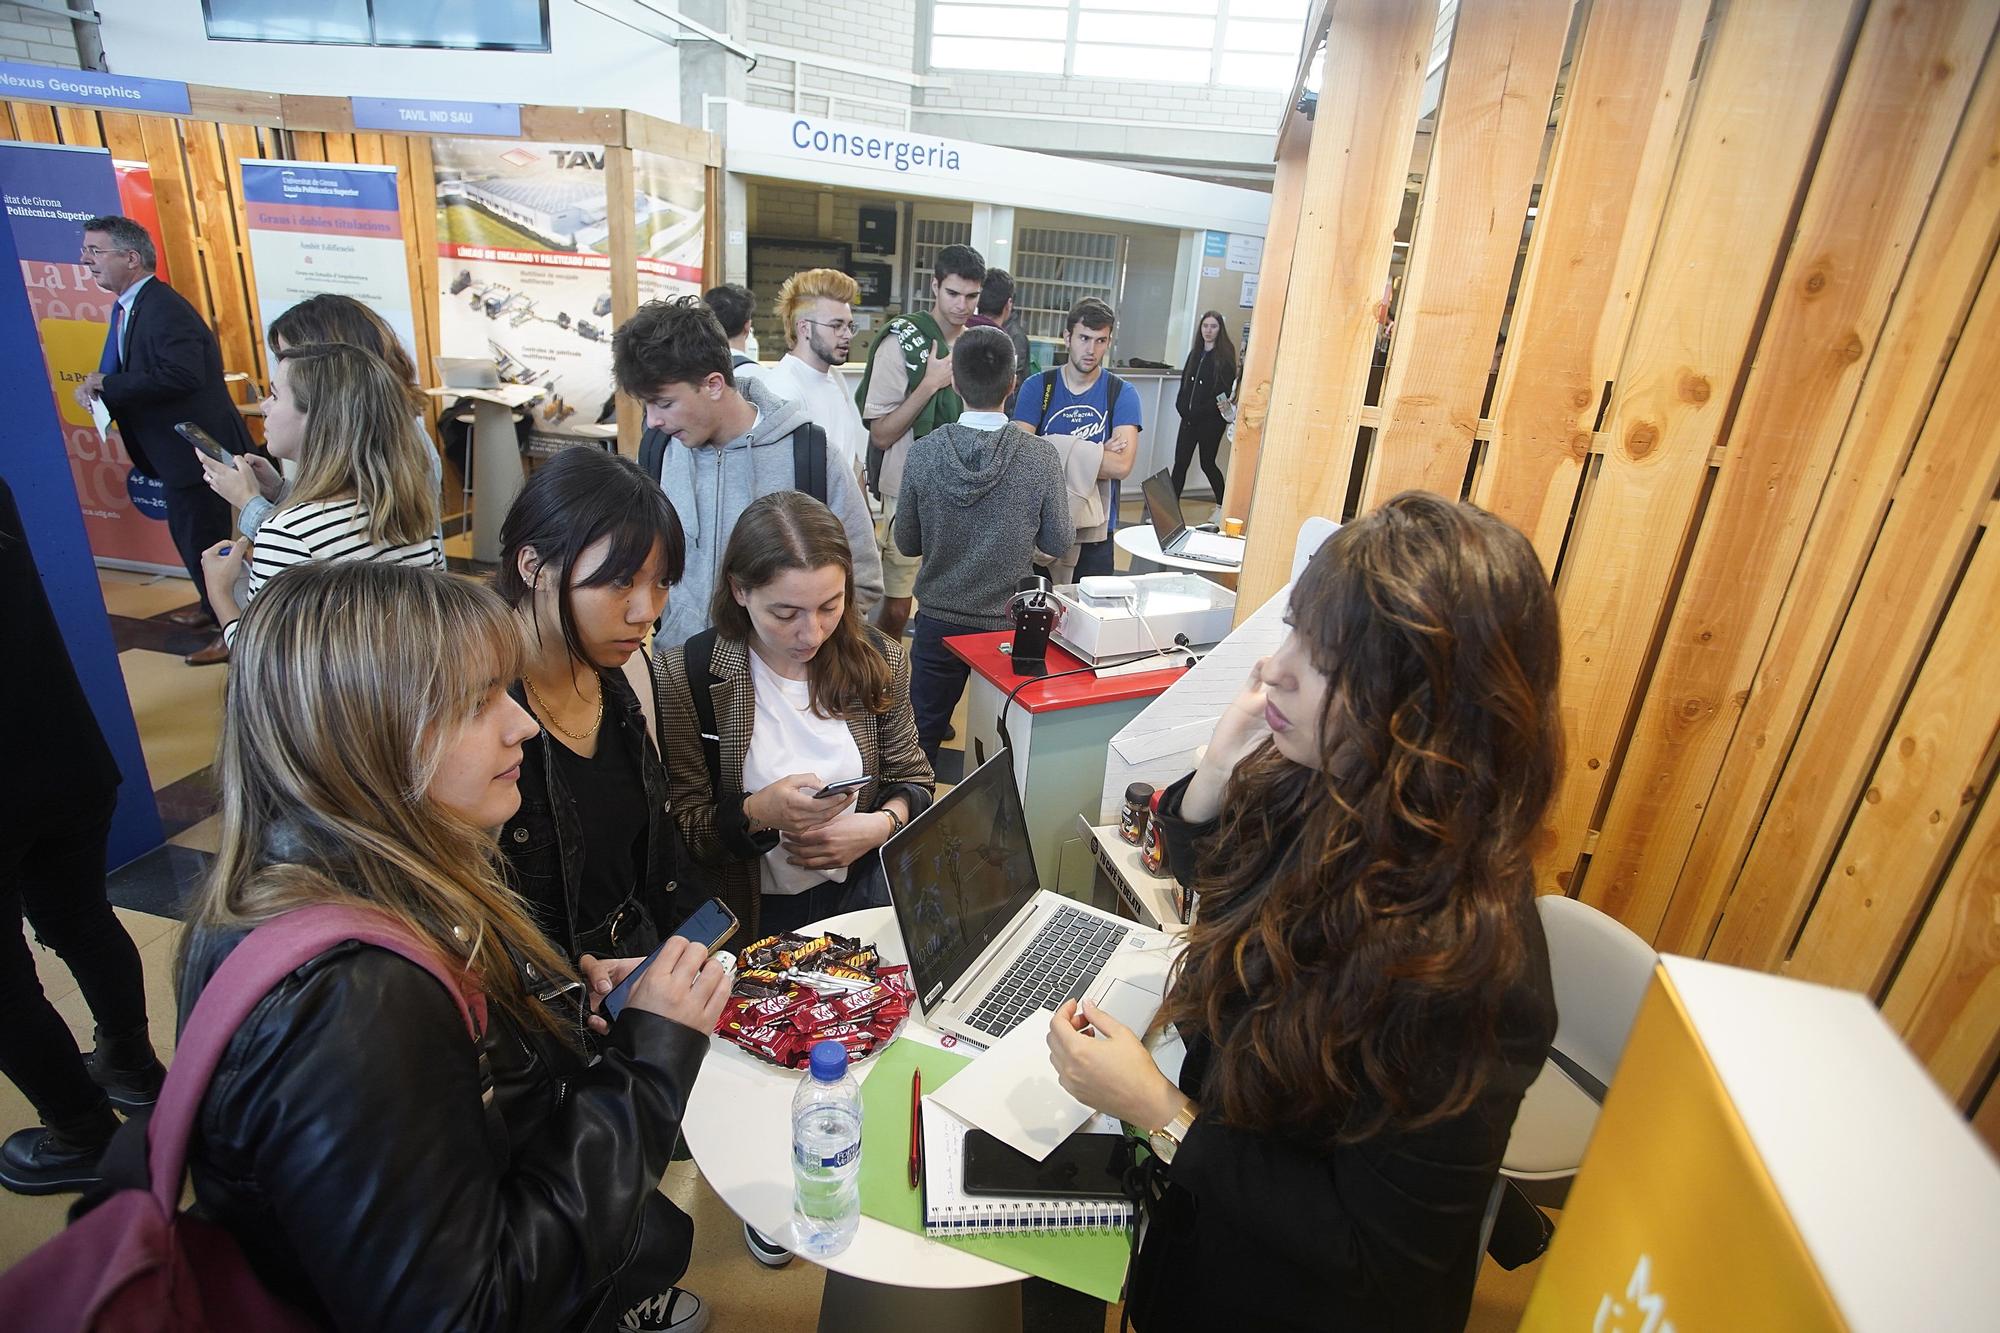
787	692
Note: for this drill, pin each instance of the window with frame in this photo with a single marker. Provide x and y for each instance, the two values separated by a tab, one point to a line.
1230	43
470	25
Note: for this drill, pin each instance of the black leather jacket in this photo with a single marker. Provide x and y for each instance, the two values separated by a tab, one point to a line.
543	842
348	1144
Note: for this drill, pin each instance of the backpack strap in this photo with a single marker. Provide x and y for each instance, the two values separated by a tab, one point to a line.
809	462
269	954
652	452
697	658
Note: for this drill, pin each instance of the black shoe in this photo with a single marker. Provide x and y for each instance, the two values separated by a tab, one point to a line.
38	1160
126	1068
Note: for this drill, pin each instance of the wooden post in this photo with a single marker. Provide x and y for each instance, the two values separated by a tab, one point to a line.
618	186
1267	315
1490	126
1355	173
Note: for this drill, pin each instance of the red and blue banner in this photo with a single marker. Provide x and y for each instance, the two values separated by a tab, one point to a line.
50	191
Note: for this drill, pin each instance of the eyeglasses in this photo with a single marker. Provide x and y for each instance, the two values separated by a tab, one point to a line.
95	250
837	325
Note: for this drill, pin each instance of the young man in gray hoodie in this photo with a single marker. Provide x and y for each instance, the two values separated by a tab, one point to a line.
721	443
980	497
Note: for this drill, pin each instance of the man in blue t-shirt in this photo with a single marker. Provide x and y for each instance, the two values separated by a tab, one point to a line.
1084	399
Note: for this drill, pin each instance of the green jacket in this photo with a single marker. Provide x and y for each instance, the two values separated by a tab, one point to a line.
917	336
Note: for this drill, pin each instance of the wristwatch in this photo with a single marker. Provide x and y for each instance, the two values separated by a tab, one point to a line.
1166	1140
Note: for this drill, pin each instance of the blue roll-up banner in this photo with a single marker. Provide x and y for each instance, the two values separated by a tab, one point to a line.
37	467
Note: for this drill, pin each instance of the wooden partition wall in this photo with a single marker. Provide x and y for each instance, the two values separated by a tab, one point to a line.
1745	407
199	192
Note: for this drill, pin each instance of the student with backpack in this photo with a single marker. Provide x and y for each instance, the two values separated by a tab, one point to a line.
715	445
905	394
1084	399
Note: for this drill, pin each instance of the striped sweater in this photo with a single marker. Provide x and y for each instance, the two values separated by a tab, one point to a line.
324	530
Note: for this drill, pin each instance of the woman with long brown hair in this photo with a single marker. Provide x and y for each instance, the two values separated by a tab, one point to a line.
379	1167
1365	993
799	692
1208	376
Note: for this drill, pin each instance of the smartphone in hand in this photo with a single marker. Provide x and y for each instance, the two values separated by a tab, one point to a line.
710	926
203	441
842	787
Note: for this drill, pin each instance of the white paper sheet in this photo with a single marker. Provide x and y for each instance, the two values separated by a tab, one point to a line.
100	414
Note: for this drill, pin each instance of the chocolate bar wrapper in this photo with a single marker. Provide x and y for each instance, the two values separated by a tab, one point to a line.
897	978
773	1043
777	1008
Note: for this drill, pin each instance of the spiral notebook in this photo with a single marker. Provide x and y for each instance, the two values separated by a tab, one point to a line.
950	1211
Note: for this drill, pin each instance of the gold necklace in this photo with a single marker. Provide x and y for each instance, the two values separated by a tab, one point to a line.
550	713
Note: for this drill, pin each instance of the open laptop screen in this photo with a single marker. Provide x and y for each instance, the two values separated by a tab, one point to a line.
1162	509
959	873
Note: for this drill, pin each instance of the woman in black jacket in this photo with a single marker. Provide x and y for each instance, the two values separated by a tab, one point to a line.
1365	993
587	553
379	1168
1208	374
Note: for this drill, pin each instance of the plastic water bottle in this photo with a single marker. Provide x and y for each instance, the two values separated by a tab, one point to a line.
826	1155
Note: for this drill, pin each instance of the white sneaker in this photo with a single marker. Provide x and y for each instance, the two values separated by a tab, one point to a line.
676	1308
765	1250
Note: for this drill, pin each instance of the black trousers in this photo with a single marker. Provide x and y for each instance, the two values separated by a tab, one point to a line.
1204	434
197	518
55	875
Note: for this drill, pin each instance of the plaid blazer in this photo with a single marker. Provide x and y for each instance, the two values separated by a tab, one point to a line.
716	832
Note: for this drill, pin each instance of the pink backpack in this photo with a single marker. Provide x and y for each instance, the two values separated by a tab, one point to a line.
135	1262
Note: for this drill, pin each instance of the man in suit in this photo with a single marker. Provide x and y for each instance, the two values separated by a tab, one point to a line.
161	366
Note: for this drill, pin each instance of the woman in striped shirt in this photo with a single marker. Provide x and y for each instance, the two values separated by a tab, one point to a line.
364	490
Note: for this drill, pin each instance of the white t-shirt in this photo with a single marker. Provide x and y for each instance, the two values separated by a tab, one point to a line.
827	402
787	737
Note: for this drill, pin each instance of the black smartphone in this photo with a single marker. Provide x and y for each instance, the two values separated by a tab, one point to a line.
1083	1166
203	441
841	788
710	926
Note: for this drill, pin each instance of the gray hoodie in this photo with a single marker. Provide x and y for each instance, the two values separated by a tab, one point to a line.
711	486
977	505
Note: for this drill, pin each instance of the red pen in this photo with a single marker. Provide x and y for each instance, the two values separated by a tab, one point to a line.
916	1127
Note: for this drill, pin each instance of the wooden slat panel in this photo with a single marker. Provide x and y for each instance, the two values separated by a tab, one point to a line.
123	136
1889	583
1946	996
623	236
1899	106
340	148
372	148
1355	172
572	124
1267	317
1771	69
234	106
333	115
240	142
686	142
424	217
35	123
214	186
308	146
79	126
1600	212
1490	126
1919	797
1986	1120
161	141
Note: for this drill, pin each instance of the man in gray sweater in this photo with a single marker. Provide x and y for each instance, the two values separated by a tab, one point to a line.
980	497
717	441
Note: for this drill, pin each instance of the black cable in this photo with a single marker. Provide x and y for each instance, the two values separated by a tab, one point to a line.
1008	702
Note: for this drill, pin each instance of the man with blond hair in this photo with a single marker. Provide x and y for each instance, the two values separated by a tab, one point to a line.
817	309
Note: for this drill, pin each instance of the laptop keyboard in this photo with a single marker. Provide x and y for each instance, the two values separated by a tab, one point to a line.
1058	964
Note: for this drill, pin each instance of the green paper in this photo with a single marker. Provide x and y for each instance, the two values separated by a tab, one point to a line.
1092	1262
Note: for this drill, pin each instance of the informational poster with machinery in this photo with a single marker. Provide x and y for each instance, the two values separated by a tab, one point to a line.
524	265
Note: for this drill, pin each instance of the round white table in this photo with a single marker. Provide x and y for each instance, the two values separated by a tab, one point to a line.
1139	541
739	1128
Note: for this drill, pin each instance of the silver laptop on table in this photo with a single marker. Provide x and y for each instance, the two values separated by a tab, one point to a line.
1176	538
989	948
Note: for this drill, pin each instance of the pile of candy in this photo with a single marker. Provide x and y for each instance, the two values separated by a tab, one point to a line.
796	990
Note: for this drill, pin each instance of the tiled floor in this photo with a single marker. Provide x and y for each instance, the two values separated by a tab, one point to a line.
179	710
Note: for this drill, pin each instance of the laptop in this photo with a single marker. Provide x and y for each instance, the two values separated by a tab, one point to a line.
468	372
989	948
1176	538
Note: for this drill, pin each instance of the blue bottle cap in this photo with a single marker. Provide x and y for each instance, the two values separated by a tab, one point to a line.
829	1061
